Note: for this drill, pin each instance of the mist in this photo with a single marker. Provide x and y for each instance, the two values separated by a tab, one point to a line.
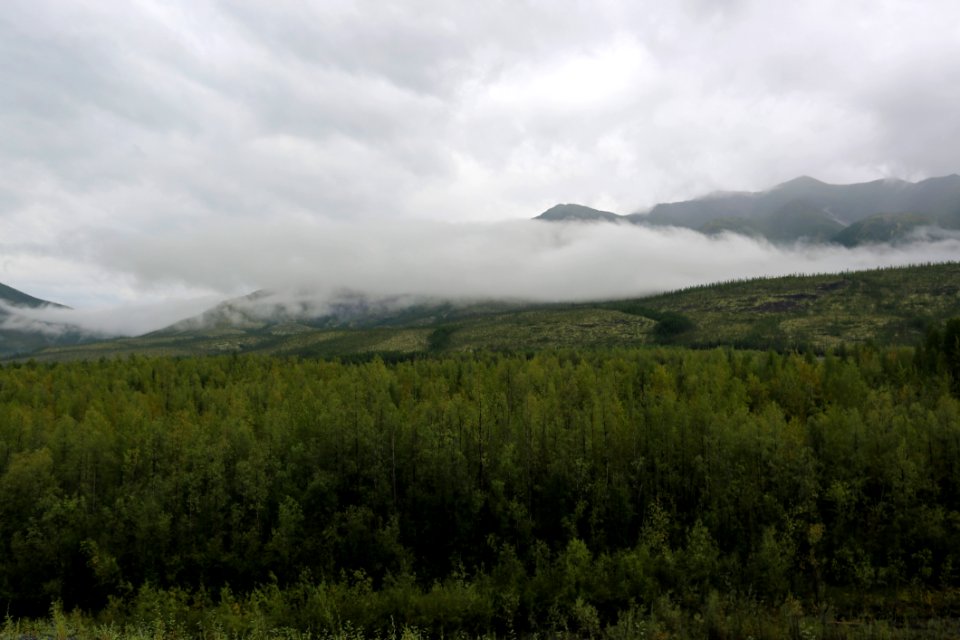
308	265
103	322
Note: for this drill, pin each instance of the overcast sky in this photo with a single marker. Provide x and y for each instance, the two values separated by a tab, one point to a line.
148	148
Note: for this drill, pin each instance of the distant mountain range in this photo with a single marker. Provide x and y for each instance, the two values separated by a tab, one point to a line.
806	209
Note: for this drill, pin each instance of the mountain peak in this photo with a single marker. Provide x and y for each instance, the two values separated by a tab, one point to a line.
576	212
17	298
800	182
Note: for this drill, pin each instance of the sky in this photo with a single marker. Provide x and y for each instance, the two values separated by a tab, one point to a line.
161	151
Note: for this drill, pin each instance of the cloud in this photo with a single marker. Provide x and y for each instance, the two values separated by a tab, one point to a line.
153	114
103	322
316	261
307	265
185	121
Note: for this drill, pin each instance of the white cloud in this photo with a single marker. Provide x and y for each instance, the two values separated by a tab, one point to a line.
166	276
526	260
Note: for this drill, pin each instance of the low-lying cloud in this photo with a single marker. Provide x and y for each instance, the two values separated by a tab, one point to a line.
312	263
103	322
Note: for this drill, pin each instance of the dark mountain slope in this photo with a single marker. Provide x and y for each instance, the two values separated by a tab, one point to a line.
845	203
884	228
796	220
20	333
577	212
799	220
11	296
806	208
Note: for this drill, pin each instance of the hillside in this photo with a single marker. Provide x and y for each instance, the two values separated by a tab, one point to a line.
883	228
938	197
887	306
19	333
577	212
11	296
890	306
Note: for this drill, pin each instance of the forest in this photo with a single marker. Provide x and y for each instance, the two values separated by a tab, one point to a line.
626	493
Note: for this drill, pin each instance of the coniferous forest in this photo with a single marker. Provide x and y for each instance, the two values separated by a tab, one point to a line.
655	492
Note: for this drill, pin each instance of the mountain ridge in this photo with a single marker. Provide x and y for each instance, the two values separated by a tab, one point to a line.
822	211
17	298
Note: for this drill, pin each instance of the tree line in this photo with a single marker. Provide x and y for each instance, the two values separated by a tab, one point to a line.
481	492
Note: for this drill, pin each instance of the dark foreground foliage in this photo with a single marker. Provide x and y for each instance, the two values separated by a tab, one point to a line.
687	493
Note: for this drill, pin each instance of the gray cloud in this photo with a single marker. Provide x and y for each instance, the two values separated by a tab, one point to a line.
127	320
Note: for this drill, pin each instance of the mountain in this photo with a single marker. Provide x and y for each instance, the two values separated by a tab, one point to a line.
801	209
795	220
577	212
884	228
11	296
22	332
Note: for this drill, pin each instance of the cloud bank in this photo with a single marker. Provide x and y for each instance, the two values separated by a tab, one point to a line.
103	322
313	262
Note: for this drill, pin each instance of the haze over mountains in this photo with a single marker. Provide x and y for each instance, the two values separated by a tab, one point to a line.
22	331
345	274
807	209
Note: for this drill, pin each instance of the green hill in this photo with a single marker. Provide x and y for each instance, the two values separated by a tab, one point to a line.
890	306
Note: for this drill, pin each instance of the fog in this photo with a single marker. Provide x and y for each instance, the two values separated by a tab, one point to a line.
102	322
306	264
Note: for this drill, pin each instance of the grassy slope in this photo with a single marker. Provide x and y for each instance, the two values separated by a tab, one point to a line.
890	306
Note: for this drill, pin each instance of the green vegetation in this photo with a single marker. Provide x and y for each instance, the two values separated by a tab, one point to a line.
885	306
657	492
493	470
